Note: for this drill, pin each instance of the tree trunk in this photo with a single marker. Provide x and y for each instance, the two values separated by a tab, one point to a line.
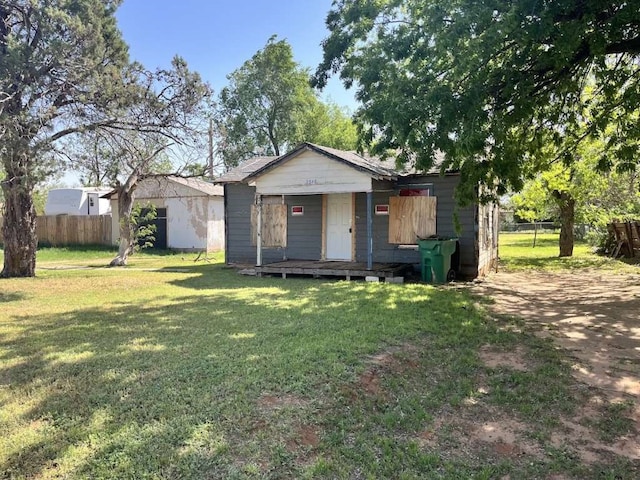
566	204
126	196
19	227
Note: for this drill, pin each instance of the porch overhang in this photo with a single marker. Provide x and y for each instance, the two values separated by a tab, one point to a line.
319	188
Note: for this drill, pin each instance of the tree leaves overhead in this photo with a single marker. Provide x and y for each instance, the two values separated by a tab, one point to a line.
258	107
64	71
491	83
269	107
60	61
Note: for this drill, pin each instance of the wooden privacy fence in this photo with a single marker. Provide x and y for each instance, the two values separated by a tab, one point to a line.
62	230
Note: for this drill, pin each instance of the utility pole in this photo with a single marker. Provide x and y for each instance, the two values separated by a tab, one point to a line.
211	175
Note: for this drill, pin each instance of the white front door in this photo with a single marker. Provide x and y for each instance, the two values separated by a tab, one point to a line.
339	228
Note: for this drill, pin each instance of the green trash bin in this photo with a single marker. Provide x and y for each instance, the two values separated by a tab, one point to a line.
435	256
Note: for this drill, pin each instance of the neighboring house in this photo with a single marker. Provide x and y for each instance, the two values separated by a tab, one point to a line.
321	204
189	212
80	201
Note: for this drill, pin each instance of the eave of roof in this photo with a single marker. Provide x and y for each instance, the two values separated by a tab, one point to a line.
198	184
376	168
246	168
370	166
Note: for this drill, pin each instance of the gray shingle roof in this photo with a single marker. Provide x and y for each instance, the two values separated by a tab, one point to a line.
198	184
246	168
369	165
382	169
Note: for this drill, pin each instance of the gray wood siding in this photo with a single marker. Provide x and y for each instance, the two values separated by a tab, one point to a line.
304	241
304	232
383	251
444	188
238	199
445	224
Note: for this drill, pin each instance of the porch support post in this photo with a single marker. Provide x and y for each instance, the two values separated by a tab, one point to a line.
369	231
259	231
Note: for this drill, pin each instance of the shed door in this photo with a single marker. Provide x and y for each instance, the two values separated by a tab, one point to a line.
339	228
160	235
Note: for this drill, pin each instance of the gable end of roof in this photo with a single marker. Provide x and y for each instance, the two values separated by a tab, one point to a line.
369	166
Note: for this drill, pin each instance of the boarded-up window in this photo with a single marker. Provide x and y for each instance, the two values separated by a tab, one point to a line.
274	225
411	218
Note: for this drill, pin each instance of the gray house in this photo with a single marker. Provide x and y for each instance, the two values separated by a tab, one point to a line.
319	210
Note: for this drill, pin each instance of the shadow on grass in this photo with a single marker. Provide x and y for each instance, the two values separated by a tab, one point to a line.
6	297
567	263
169	387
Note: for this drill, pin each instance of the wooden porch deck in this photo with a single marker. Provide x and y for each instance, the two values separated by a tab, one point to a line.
388	271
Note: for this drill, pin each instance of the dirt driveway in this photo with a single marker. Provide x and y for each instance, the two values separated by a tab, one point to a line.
595	316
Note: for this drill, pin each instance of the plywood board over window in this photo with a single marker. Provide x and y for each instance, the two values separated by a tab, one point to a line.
411	218
274	225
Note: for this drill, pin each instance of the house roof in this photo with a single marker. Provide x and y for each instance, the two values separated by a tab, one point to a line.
200	185
369	165
381	169
245	169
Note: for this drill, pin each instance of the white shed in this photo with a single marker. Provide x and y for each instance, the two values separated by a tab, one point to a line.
190	212
80	201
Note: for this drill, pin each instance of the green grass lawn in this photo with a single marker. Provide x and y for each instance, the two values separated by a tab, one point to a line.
174	369
518	253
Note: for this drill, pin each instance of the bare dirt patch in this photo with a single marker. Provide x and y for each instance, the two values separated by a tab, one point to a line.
593	316
514	359
305	437
270	403
481	428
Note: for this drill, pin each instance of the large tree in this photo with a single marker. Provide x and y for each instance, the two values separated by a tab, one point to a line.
65	73
60	72
578	193
258	107
164	120
490	84
269	106
327	124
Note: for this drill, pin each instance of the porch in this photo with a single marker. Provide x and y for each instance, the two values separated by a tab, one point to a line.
390	272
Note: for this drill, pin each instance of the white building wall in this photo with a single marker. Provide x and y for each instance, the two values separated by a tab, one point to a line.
312	173
187	223
216	234
75	201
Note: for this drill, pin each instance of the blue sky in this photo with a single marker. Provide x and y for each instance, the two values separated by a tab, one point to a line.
217	36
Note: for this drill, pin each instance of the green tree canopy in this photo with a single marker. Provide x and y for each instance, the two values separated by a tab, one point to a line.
597	198
258	107
490	84
269	106
327	124
64	71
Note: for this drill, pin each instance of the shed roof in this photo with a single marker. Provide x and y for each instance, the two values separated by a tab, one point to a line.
197	184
